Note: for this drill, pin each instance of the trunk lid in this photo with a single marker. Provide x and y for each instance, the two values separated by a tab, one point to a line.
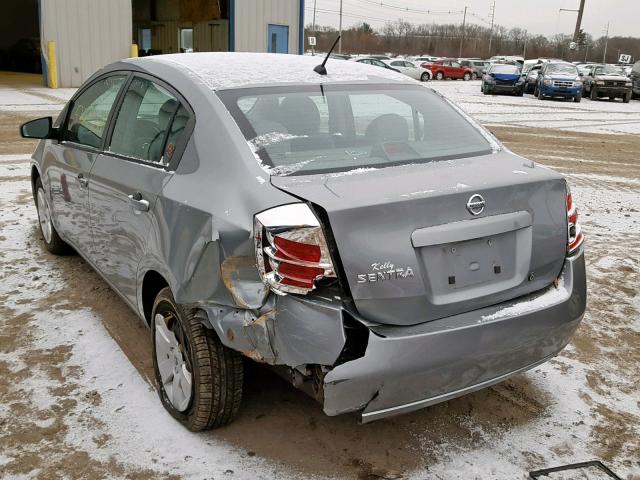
411	249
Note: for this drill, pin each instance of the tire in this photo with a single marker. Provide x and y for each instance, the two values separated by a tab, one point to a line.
594	94
50	237
439	76
577	99
520	93
425	77
474	76
183	346
627	98
466	77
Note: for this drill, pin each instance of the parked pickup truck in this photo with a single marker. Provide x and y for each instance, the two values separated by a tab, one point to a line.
607	81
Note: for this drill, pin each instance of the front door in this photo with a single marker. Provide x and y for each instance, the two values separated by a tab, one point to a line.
127	179
277	38
74	156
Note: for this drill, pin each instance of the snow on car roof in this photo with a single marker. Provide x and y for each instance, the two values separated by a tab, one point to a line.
225	70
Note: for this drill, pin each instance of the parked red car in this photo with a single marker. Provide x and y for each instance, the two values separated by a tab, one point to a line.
448	68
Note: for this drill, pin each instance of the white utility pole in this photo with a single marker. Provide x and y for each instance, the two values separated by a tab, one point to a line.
313	48
606	42
493	15
340	41
464	22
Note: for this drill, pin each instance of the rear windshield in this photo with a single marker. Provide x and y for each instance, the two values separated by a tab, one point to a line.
335	128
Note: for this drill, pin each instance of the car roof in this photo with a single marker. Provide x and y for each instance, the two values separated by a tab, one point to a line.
228	70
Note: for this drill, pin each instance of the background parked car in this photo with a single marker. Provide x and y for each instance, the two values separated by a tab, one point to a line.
559	79
448	68
606	81
530	77
410	69
584	68
503	79
479	67
376	62
424	59
635	78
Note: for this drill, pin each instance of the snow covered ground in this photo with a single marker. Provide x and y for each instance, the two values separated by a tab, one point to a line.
76	400
586	116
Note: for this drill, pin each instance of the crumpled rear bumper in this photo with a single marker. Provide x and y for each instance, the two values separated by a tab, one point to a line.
408	368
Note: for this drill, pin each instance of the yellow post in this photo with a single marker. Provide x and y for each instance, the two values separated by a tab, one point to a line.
134	50
53	64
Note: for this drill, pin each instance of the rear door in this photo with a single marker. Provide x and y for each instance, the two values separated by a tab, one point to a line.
82	138
456	70
146	138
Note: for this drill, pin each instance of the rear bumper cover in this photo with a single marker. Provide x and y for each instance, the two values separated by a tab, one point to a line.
408	368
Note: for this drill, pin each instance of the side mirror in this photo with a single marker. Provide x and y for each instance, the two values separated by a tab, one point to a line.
39	128
580	74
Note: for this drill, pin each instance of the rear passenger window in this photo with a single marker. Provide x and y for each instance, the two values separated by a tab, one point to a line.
369	107
90	112
149	123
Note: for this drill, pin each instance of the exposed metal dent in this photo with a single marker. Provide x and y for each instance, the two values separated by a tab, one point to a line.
260	332
240	276
286	330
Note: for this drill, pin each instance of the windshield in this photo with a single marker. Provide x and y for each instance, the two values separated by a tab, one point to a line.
564	68
608	70
510	69
313	129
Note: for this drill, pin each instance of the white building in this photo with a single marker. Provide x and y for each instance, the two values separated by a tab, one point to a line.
89	34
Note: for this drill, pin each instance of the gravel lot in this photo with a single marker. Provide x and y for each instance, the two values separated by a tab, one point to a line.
77	400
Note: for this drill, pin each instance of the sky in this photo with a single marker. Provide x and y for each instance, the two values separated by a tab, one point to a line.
536	16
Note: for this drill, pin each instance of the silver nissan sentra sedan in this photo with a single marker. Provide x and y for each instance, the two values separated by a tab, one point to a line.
355	230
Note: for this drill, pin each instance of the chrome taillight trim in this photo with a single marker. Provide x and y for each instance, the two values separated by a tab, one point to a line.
575	239
295	222
271	253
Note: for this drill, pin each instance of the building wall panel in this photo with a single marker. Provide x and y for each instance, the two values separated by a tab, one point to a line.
253	16
89	34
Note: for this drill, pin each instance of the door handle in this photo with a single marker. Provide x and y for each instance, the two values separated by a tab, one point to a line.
138	203
82	180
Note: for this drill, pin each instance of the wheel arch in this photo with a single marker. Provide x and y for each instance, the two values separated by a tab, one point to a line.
152	283
35	175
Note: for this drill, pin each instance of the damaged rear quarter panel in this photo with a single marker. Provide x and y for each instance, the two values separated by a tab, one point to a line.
201	239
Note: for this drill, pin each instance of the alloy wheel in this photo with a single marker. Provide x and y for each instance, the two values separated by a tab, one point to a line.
173	360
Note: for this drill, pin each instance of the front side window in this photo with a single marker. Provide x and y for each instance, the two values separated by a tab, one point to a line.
90	112
143	128
307	129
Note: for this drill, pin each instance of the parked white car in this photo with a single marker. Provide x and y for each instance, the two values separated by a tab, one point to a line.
411	69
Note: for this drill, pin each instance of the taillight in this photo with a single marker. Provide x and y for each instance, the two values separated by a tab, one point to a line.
291	251
575	235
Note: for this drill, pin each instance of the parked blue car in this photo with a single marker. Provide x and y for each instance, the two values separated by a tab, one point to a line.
559	79
502	78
